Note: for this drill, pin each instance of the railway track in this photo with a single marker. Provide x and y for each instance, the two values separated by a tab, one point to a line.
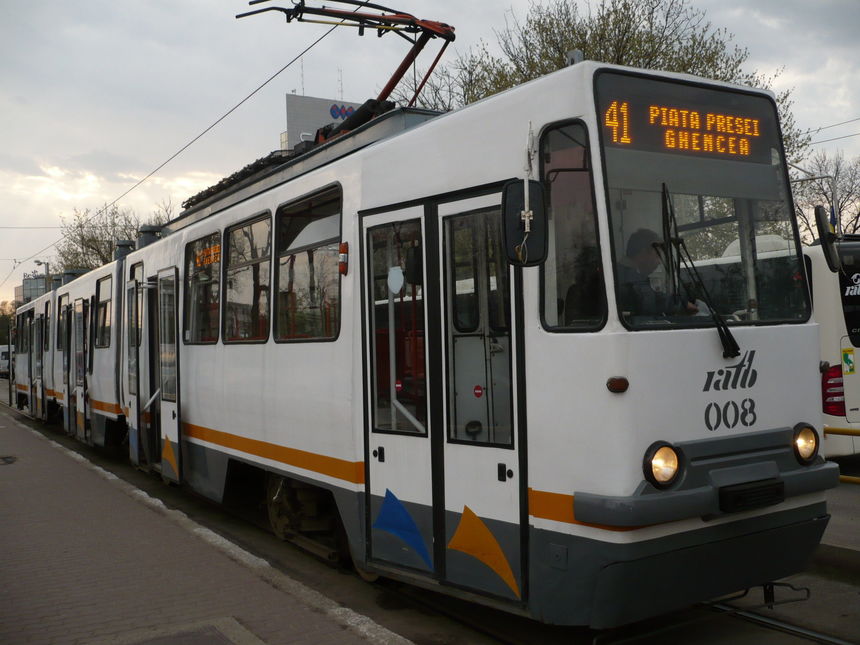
715	623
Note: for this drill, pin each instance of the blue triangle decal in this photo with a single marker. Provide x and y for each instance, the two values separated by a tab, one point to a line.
395	519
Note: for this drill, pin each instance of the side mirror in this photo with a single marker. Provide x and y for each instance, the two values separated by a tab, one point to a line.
827	239
524	248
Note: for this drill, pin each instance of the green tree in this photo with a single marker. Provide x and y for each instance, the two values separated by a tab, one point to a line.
668	35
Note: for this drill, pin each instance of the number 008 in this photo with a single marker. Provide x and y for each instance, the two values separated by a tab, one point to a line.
730	414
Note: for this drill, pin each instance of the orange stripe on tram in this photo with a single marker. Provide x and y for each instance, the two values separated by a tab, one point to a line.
105	407
351	471
559	507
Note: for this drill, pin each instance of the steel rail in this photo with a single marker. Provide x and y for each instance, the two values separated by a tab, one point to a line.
781	625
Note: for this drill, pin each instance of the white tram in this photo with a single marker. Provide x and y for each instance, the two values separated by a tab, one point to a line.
542	421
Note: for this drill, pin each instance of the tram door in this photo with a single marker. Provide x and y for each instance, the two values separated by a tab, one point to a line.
64	331
149	379
132	362
77	407
400	418
481	465
37	377
444	489
168	370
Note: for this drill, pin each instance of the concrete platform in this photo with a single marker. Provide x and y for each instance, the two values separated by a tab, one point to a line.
87	558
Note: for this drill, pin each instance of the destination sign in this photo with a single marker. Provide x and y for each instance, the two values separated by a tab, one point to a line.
209	255
658	116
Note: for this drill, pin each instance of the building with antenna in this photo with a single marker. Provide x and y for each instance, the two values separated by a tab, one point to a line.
306	114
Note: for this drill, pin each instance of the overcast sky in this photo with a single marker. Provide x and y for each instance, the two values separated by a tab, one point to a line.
95	94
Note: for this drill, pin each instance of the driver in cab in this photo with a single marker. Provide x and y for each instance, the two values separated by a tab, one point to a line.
637	295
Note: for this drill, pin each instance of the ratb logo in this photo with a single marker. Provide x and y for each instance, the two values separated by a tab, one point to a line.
735	377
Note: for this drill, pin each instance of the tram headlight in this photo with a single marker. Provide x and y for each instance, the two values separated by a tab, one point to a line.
662	464
805	443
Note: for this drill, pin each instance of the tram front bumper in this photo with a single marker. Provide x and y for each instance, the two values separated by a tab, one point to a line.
758	470
627	591
703	501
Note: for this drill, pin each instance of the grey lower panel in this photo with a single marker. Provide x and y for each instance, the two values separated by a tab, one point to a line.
98	430
576	581
205	470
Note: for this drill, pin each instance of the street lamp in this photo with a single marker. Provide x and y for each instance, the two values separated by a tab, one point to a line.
47	266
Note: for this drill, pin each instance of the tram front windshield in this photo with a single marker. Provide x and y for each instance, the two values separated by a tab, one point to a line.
706	166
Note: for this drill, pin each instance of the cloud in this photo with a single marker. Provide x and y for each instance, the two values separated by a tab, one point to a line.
19	164
108	165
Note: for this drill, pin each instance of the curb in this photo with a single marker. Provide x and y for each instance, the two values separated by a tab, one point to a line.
355	622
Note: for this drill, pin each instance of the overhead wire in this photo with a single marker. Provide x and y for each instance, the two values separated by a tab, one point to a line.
193	141
847	136
827	127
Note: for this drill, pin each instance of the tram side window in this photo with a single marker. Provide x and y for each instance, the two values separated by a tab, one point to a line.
103	311
308	279
47	332
574	295
246	312
80	321
397	329
134	322
23	344
202	289
38	326
62	303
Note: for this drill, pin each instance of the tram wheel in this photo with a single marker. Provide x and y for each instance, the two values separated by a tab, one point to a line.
364	574
282	507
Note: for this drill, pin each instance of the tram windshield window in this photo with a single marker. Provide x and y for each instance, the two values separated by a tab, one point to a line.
573	286
718	154
308	277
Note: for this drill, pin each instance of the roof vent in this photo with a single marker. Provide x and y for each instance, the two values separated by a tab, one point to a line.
72	274
122	248
147	234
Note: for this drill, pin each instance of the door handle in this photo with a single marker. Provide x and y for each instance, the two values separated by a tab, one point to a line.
379	453
505	473
174	414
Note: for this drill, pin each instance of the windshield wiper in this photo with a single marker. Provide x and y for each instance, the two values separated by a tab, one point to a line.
671	239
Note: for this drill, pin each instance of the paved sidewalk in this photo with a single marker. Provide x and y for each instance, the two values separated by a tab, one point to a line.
87	558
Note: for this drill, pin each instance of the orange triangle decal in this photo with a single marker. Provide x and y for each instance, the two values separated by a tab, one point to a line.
169	456
474	538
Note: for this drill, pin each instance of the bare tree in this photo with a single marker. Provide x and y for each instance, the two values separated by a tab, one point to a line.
827	172
667	35
89	237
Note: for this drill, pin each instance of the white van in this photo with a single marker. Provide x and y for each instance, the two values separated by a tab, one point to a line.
5	352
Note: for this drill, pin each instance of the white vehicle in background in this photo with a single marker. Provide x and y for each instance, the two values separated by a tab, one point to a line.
5	366
834	278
